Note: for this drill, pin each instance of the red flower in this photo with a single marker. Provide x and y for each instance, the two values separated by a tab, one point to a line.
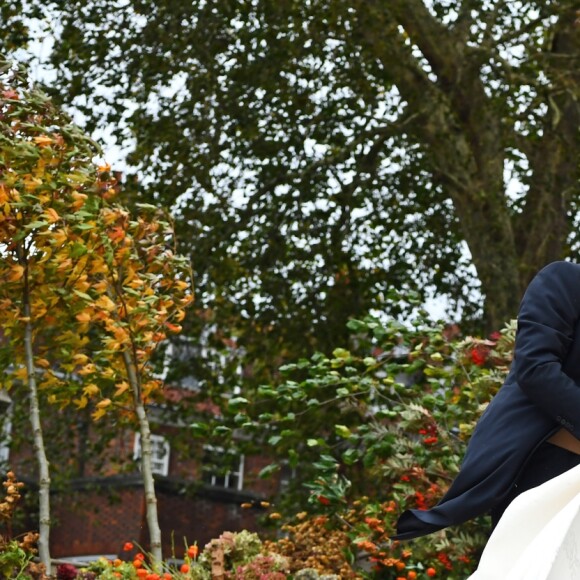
420	501
444	559
430	440
478	356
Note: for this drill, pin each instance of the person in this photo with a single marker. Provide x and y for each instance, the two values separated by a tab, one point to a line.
530	431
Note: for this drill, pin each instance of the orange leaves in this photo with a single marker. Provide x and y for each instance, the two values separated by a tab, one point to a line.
51	215
104	404
105	303
176	328
116	234
79	200
15	273
43	140
84	316
87	369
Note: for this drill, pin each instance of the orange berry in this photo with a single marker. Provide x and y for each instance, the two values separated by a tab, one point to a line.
152	576
400	566
184	568
411	575
128	546
431	572
167	576
137	563
192	552
142	573
117	562
139	556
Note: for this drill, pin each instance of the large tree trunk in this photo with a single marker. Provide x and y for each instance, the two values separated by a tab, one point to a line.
466	143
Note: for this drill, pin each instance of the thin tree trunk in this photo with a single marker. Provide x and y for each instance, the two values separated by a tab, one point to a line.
43	467
146	462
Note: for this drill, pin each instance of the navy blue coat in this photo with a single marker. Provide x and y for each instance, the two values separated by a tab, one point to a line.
540	395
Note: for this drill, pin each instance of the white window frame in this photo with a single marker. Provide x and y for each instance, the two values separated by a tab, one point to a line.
215	479
6	434
159	461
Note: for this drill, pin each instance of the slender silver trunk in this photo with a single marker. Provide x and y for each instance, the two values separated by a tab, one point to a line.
43	467
146	462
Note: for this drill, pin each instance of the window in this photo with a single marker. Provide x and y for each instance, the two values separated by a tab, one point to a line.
222	468
5	426
159	453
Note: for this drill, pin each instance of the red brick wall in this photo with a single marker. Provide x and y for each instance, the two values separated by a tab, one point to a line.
90	522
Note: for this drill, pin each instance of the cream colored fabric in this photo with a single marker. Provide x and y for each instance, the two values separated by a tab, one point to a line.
538	536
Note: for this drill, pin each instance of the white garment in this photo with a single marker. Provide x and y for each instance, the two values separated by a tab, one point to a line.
538	536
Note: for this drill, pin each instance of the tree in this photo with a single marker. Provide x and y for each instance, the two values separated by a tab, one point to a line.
318	153
138	288
88	293
46	166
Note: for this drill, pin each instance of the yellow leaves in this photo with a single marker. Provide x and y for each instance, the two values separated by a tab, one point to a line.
186	300
150	387
79	200
16	272
98	414
84	317
57	237
51	215
105	303
87	369
91	390
102	407
110	216
81	403
121	388
80	359
43	140
20	373
65	264
31	184
181	284
41	362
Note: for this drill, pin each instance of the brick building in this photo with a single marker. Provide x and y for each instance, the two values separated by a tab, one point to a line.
105	507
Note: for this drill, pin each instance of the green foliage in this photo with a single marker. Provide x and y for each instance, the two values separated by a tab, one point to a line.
381	428
318	154
14	561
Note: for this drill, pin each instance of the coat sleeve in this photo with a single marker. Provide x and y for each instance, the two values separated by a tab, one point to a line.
549	314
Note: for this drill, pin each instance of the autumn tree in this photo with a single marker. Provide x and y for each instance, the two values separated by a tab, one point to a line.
137	294
88	291
45	169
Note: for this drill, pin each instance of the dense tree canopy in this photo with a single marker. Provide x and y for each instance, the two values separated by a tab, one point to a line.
319	153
